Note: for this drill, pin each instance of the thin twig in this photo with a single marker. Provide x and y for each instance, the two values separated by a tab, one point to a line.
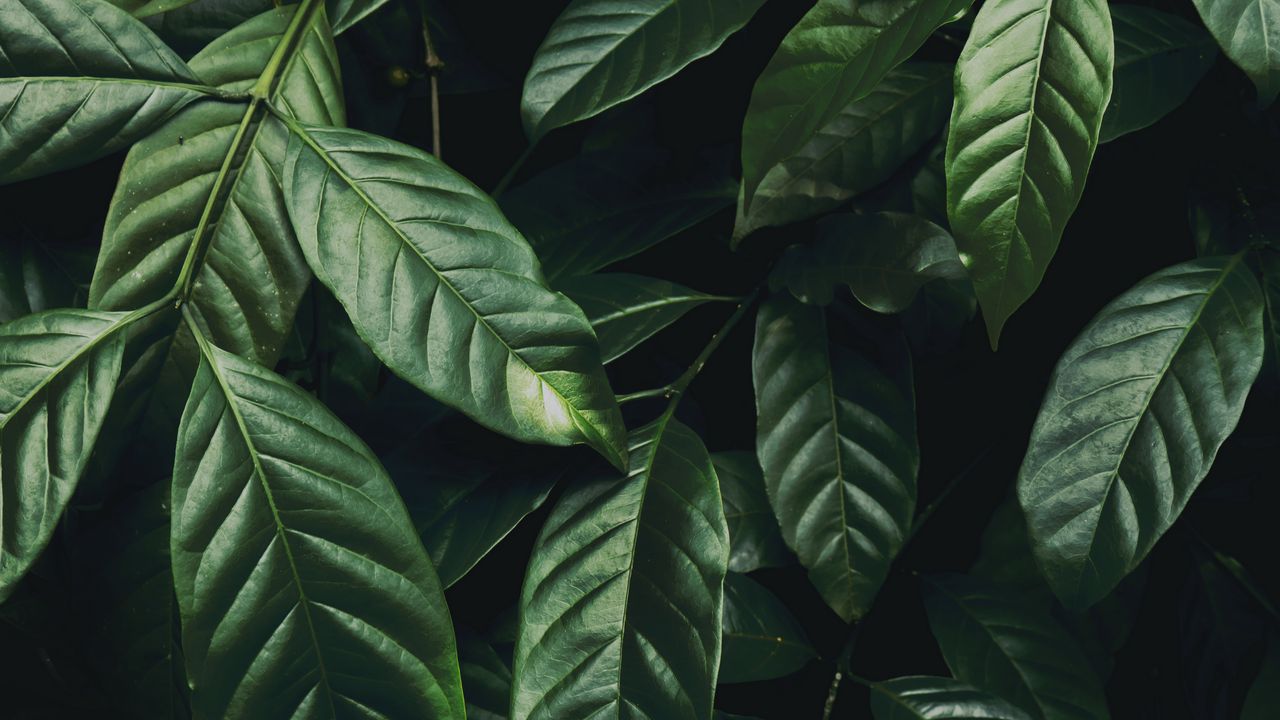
929	509
501	187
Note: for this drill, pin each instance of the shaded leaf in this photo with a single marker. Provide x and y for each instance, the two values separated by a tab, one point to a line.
486	678
754	538
1264	693
935	698
762	640
35	276
1244	30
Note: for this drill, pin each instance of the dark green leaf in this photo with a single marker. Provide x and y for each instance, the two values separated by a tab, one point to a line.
486	678
762	640
935	698
35	276
1264	694
1245	29
754	538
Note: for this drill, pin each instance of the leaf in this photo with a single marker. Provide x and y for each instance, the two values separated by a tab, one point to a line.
1268	260
1245	30
58	372
445	291
600	53
754	538
346	13
1264	694
836	438
838	53
1135	413
857	150
884	258
37	276
1159	59
1031	87
80	79
762	640
935	698
996	642
621	605
207	19
625	310
295	563
485	677
205	189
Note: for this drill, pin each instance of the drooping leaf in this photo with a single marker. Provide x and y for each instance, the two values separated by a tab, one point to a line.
621	606
625	310
858	149
486	678
1246	32
762	640
836	439
885	258
838	52
600	53
1031	86
935	698
80	79
445	291
1159	60
754	538
994	640
303	587
1134	416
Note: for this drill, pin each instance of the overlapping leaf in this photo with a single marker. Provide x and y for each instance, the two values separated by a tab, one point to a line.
935	698
1246	31
762	640
486	678
754	538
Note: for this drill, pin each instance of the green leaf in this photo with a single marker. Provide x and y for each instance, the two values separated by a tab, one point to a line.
997	642
857	150
1264	695
58	372
1135	413
1159	60
762	640
625	310
37	276
1246	32
754	538
486	678
836	437
1268	260
621	606
203	20
935	698
599	54
80	79
298	573
345	13
445	291
1031	87
838	53
884	258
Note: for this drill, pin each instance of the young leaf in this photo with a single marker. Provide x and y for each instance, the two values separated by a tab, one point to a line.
446	291
836	437
935	698
754	538
621	606
600	53
994	641
1245	29
838	52
858	149
1135	413
299	575
1031	87
80	79
762	640
1159	60
625	310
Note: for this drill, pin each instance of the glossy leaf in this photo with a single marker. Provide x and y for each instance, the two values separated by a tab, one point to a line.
836	438
997	642
1031	86
600	53
1245	30
625	310
299	575
762	640
80	79
445	291
1135	413
935	698
838	52
754	538
1159	60
858	149
621	605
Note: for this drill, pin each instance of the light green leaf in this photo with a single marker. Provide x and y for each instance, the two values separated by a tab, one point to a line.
299	575
1031	87
1246	30
600	53
858	149
838	52
836	437
446	291
762	640
935	698
621	606
1134	415
754	538
625	310
80	79
995	641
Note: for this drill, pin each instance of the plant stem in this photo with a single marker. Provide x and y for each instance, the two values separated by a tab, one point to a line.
677	389
929	509
663	391
434	66
501	187
832	693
